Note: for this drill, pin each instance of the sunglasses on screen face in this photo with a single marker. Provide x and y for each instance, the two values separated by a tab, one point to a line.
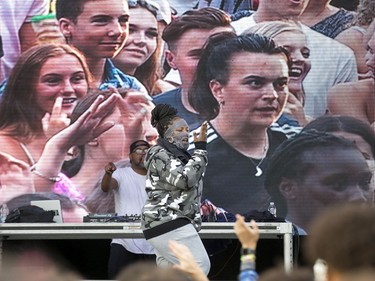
140	151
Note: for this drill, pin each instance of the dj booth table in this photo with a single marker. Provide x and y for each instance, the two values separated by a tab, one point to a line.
222	230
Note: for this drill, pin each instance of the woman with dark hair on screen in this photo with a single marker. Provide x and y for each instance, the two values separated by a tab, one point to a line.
290	35
174	187
241	86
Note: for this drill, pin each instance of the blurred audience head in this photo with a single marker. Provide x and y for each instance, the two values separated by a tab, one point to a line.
279	274
343	236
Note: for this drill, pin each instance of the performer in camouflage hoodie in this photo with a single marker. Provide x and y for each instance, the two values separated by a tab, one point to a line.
174	187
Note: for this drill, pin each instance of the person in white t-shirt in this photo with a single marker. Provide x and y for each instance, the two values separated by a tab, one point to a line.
128	184
16	30
332	62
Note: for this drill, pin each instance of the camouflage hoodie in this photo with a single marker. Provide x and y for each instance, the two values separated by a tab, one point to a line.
173	188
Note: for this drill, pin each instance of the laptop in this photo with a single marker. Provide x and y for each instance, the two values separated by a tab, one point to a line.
50	205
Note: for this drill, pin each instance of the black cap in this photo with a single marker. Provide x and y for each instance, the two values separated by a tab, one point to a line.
138	143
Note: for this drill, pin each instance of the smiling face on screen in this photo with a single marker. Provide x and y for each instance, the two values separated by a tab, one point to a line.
62	76
141	42
100	30
296	44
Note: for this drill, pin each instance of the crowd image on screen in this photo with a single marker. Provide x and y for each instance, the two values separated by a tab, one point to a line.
284	88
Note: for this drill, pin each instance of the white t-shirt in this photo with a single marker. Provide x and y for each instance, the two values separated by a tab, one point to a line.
173	76
331	63
13	13
129	200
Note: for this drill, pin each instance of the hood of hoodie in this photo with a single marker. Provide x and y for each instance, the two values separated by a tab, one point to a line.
150	154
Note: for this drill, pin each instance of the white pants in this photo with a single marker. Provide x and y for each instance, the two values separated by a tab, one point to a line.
186	235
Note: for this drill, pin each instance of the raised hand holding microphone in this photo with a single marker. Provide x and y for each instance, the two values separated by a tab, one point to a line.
107	181
202	137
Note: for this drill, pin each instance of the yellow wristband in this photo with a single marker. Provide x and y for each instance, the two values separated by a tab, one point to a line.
250	257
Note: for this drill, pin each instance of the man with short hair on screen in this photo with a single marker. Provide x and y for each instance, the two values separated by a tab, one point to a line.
186	37
99	30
